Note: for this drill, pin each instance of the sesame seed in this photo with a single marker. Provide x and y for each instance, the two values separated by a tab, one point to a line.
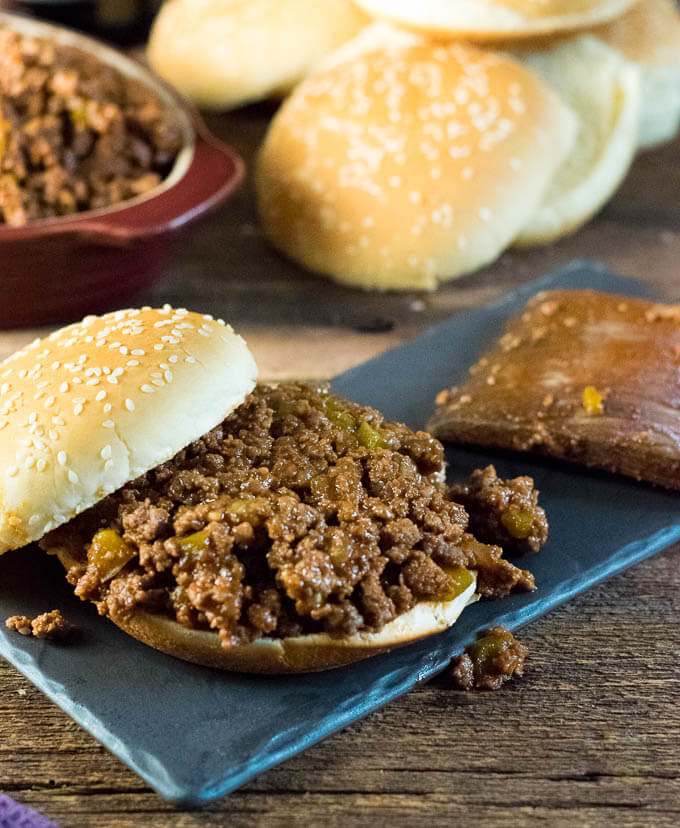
58	421
124	350
113	380
108	465
173	358
190	359
29	462
72	476
106	370
147	389
77	380
78	409
107	407
203	332
41	465
117	372
13	471
63	387
80	400
53	434
106	452
101	395
4	388
108	424
158	346
158	382
32	417
93	381
137	352
168	376
132	363
156	374
61	458
3	423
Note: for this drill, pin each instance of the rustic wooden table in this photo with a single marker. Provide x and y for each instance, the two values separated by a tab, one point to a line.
590	736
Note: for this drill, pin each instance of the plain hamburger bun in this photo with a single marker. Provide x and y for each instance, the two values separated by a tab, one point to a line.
604	92
80	409
409	165
484	20
299	654
224	53
648	35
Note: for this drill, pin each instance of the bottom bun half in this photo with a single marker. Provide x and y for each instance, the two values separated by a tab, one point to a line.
298	654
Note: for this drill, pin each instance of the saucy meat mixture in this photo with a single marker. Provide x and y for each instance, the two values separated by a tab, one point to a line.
49	625
505	512
494	658
300	513
75	134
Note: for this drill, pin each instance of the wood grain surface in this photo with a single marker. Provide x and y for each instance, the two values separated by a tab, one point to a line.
590	736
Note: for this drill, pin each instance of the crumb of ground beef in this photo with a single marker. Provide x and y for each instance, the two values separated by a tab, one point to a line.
494	658
503	512
49	625
300	513
20	624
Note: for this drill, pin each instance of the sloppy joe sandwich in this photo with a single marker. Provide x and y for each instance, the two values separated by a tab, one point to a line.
254	528
579	375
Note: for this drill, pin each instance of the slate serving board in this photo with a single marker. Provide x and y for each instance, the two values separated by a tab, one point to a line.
195	734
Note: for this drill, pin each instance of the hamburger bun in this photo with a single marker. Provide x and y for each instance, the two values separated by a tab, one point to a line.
224	53
603	90
79	409
297	654
487	20
648	36
409	165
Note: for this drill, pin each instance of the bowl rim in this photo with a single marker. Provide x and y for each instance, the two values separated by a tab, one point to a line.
188	118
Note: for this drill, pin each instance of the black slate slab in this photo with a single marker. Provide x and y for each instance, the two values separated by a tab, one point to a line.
195	734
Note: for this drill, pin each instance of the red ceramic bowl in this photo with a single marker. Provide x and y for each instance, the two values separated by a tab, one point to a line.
56	269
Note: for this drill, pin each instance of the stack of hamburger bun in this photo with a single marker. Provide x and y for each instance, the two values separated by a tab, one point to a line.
444	131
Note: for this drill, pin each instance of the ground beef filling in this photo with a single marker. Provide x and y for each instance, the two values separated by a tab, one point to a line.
503	512
75	134
494	658
51	626
300	513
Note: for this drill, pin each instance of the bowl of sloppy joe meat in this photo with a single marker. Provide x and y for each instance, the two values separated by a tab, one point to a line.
100	164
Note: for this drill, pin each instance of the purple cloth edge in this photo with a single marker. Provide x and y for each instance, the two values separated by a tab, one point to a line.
14	815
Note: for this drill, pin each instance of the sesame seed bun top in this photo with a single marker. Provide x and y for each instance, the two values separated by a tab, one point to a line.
493	19
410	164
98	403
